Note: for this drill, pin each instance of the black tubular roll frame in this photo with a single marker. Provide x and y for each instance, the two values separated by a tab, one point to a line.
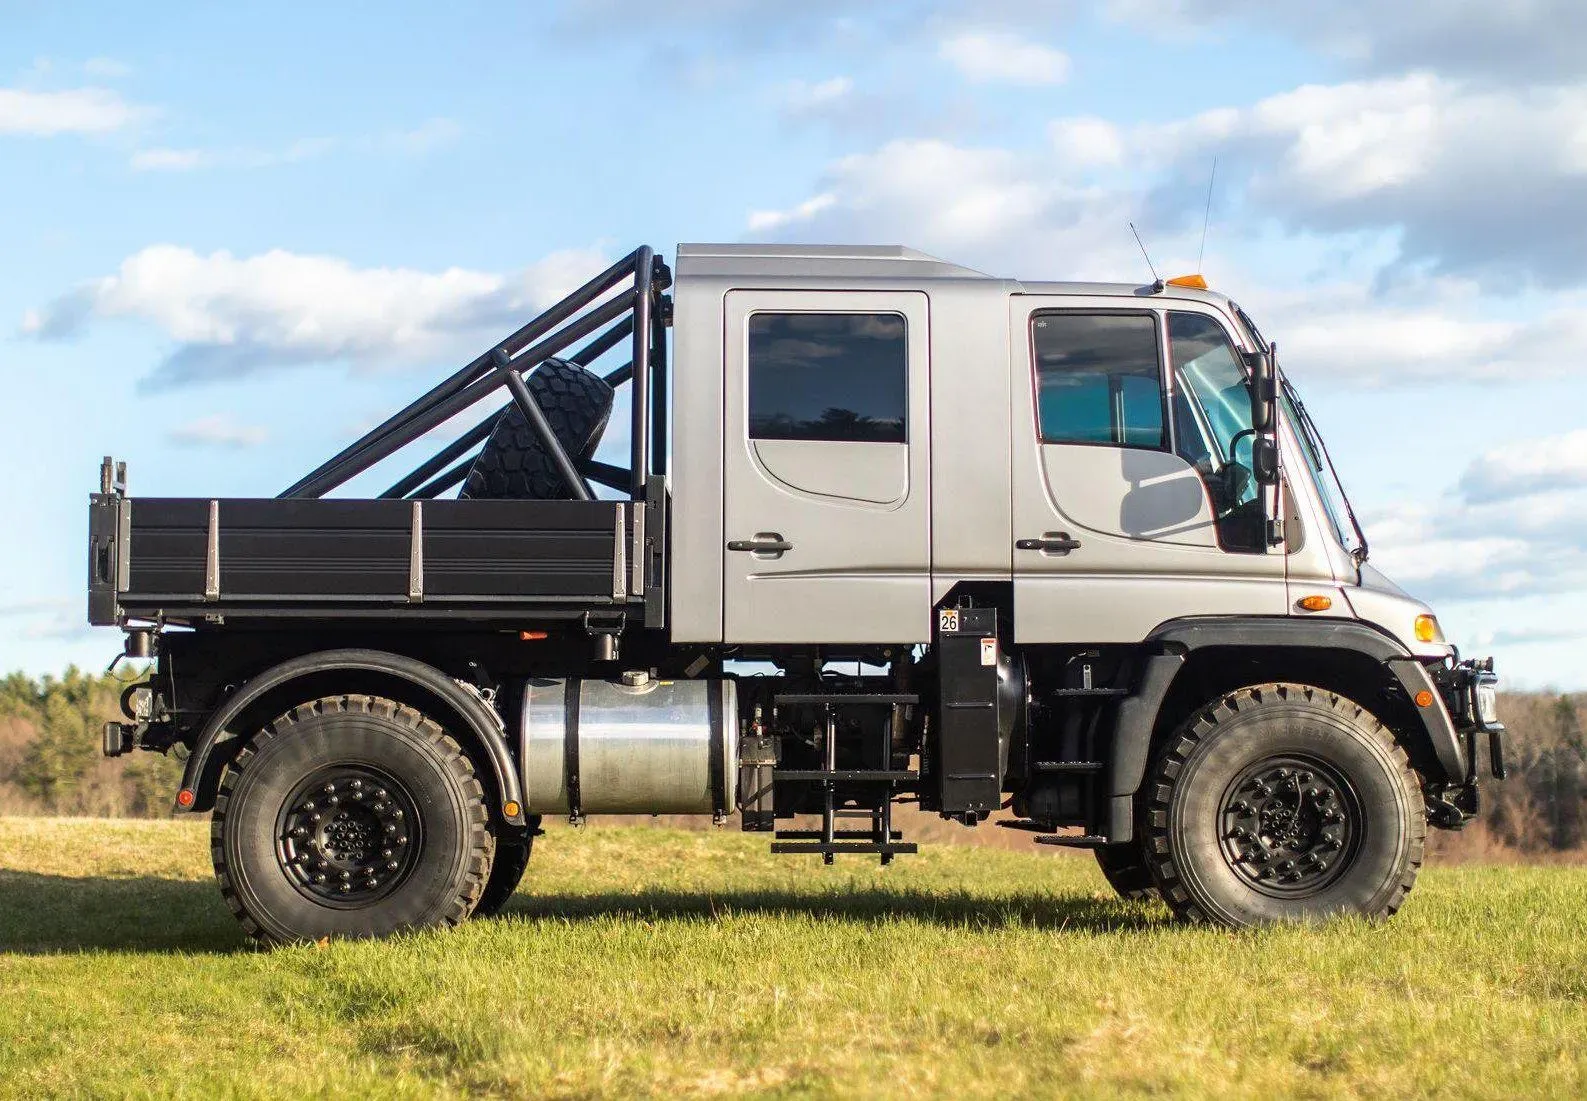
639	313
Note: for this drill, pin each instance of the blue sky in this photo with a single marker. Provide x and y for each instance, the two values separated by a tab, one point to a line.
235	236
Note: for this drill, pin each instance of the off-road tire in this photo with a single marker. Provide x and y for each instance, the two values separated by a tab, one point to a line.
513	465
263	880
1124	867
1200	780
506	872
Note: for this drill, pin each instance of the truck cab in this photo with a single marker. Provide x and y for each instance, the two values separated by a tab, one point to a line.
891	529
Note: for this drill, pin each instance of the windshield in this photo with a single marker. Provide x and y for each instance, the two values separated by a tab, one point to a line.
1332	492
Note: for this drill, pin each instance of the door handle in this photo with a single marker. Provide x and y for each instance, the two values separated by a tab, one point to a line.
1054	542
768	544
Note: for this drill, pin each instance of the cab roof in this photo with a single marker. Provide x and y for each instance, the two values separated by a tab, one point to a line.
891	262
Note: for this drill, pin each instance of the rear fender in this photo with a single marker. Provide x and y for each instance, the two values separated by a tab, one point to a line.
271	693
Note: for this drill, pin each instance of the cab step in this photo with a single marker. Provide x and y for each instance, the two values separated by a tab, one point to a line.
1068	766
1072	840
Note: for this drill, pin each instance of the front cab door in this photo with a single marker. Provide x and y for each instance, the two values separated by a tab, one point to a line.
1133	501
826	468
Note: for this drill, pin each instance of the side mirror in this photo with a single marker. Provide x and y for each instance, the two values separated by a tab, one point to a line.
1264	389
1264	460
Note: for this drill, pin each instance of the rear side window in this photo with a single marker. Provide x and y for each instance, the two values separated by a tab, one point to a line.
828	376
1098	380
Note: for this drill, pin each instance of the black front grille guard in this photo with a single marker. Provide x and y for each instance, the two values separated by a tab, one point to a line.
641	313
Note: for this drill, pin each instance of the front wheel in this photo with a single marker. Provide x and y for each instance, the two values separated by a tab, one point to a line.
1283	802
351	816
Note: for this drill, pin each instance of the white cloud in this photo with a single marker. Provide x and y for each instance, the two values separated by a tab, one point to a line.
428	136
170	160
802	97
106	68
1087	142
218	430
76	111
1000	57
233	315
162	159
1515	524
770	221
1426	330
1522	40
990	208
1476	179
1543	466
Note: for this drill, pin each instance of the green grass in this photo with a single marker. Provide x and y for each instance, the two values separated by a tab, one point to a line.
643	962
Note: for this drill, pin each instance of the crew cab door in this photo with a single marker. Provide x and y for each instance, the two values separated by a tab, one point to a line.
1132	503
826	467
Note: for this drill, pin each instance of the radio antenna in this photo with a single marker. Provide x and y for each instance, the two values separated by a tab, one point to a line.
1155	277
1206	216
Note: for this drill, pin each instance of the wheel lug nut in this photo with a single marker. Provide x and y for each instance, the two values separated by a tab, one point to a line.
329	789
380	793
319	877
402	841
347	875
391	865
1303	777
391	829
307	806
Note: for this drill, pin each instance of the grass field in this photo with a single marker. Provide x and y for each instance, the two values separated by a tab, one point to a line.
649	962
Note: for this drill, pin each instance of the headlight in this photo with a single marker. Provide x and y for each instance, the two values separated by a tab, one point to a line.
1427	629
1487	700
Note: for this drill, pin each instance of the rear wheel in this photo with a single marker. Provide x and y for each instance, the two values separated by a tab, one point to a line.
350	816
1124	867
1283	802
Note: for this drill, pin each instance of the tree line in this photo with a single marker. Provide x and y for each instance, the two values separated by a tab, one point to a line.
50	761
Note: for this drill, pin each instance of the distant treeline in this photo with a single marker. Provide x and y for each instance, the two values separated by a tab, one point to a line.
50	762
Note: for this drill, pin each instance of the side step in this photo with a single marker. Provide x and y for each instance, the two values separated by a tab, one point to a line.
1047	837
881	839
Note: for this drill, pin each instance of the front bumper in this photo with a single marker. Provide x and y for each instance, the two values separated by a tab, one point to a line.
1471	691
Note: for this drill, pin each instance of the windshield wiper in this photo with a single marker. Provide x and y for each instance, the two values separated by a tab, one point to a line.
1360	551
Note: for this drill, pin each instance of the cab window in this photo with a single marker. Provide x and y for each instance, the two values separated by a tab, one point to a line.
1098	379
1212	425
828	376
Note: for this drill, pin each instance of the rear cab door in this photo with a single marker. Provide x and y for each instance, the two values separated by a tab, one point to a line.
826	467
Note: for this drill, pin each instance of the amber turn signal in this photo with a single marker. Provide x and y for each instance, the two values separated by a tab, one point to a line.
1424	698
1427	629
510	809
1316	603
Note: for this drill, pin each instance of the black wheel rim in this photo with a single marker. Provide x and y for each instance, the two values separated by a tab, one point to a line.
1290	826
348	835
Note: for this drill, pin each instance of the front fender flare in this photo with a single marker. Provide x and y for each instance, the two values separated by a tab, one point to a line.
1261	632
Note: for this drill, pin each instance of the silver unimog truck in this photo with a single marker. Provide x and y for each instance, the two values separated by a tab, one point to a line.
1068	558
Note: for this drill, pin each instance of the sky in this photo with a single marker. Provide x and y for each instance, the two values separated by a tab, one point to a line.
235	236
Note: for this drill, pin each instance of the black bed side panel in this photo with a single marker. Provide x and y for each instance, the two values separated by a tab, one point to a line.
268	550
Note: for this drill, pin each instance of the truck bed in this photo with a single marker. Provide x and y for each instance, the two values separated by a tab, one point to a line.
181	558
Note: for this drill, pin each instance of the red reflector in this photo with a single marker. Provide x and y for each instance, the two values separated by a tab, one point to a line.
531	636
184	798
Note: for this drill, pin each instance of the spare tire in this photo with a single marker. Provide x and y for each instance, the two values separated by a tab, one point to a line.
513	464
